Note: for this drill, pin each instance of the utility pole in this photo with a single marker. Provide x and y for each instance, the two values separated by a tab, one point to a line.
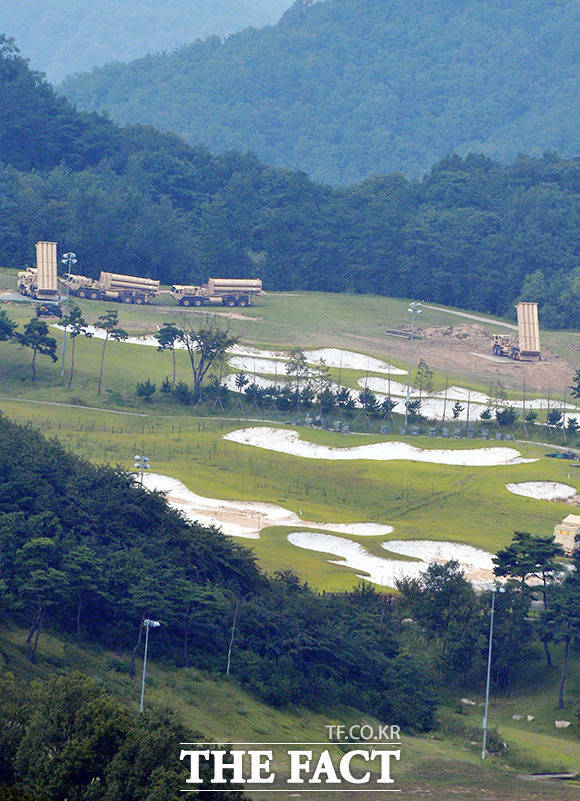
494	590
414	308
148	624
69	259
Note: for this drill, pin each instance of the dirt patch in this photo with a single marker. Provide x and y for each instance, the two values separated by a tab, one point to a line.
450	349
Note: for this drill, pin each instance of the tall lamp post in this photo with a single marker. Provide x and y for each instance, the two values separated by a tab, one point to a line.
414	308
69	259
494	590
141	465
153	624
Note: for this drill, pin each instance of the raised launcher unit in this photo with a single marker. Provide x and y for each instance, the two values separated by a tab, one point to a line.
526	344
41	282
113	286
230	291
528	330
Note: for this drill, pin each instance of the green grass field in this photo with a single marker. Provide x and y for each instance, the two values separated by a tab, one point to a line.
421	500
444	764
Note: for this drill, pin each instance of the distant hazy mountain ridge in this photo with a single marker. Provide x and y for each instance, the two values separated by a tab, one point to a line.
349	88
472	233
68	36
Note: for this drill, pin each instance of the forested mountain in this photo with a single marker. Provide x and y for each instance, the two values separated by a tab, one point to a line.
471	233
346	89
67	36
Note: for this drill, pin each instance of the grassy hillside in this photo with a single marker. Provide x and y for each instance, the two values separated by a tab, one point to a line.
447	762
348	89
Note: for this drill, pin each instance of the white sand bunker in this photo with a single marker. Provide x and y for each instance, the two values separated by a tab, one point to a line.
543	490
476	564
288	441
350	360
245	518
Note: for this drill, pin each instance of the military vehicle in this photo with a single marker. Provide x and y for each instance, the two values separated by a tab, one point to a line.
229	291
526	343
113	286
41	282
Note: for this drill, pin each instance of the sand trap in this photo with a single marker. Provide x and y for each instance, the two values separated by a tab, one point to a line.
471	560
256	364
259	380
245	518
543	490
350	360
285	440
476	564
355	556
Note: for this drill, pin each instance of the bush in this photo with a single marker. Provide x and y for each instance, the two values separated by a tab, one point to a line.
146	390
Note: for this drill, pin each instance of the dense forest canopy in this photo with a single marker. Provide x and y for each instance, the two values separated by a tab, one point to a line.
471	233
346	89
73	35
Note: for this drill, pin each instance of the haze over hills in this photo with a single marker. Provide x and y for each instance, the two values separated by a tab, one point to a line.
73	35
472	233
349	88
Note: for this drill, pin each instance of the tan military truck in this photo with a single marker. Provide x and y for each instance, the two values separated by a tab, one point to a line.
113	286
41	282
526	343
229	291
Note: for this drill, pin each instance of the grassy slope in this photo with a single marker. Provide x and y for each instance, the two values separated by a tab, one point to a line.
421	500
444	762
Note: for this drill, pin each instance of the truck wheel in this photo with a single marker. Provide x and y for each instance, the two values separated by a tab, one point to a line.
244	301
82	293
230	302
139	300
94	295
126	299
196	302
185	302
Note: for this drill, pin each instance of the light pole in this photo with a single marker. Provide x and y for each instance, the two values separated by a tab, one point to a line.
69	259
494	589
148	624
414	308
141	465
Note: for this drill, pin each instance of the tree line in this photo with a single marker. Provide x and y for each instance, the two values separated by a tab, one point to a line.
470	233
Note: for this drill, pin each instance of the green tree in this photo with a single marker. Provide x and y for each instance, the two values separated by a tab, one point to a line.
575	388
506	416
205	345
76	325
109	322
297	368
528	557
35	336
7	326
562	620
424	379
456	410
168	336
554	418
84	576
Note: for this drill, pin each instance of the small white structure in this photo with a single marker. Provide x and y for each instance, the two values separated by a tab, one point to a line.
565	533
